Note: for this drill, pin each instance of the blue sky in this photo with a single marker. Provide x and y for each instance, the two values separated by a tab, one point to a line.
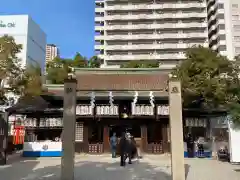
68	23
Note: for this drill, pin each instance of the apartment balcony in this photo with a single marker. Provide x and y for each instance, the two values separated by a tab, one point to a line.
153	46
157	36
173	56
99	1
99	28
156	6
157	16
157	26
224	53
99	19
101	56
99	10
99	47
99	37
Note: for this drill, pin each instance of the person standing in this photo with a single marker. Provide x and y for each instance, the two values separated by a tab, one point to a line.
129	148
190	145
113	145
200	145
122	147
136	149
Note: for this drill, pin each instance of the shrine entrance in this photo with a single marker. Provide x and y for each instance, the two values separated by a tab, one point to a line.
136	84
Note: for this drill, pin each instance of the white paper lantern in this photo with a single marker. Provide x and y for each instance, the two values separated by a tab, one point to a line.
98	110
116	110
141	109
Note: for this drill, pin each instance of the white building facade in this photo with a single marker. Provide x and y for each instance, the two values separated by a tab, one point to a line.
27	33
224	26
159	30
52	51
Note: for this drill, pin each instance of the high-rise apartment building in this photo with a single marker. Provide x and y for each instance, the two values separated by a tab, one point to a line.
161	30
224	26
52	51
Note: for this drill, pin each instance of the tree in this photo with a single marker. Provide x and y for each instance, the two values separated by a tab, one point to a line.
79	61
57	70
208	80
141	64
10	67
32	83
94	62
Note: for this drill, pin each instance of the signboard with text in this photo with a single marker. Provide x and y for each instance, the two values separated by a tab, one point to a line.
7	24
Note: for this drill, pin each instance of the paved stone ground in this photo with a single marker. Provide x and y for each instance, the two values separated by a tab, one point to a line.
89	167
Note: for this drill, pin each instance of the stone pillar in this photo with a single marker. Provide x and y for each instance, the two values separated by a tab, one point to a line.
176	129
68	135
165	138
3	138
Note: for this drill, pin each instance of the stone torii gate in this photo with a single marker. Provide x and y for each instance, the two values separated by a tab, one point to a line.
69	120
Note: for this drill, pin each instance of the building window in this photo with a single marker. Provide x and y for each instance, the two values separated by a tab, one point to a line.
222	48
234	5
237	50
236	27
220	16
221	6
222	26
222	37
237	38
235	17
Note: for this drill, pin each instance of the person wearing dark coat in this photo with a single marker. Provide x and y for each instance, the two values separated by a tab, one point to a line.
129	148
122	148
134	147
190	145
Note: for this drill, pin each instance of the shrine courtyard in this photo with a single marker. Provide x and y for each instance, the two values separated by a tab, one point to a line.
103	167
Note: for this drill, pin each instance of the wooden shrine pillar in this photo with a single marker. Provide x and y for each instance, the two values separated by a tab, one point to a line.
144	140
106	145
85	138
165	138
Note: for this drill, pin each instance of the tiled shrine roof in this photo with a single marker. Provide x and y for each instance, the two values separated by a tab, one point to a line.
118	80
136	82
